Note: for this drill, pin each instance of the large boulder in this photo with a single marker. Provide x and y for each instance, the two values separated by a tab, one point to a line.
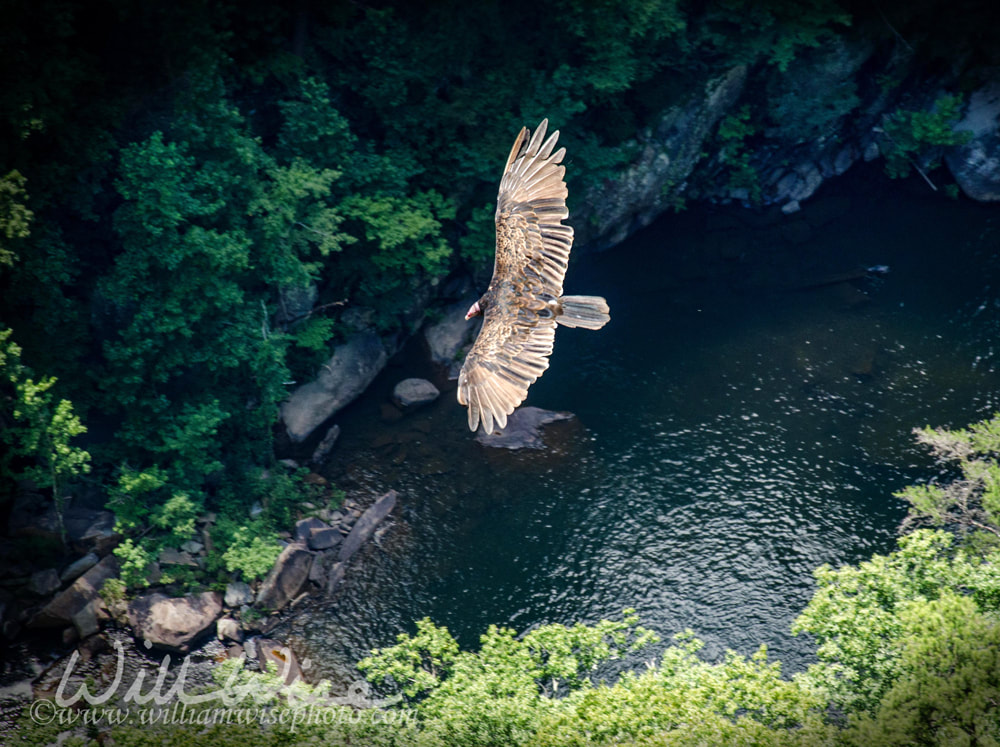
84	592
976	165
523	429
174	623
446	338
366	525
351	368
286	578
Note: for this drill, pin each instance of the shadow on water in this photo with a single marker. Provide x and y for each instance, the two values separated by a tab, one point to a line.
744	417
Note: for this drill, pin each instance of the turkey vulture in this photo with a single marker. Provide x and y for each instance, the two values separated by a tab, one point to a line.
524	301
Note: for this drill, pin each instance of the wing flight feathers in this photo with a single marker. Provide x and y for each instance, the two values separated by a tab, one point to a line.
520	306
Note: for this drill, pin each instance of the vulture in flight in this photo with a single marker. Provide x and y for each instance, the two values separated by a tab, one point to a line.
524	301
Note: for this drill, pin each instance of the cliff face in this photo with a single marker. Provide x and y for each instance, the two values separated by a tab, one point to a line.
800	127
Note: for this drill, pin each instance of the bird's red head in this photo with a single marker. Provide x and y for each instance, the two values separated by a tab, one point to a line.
474	310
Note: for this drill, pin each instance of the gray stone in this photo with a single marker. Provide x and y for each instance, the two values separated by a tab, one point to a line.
305	527
173	556
174	623
88	530
871	152
192	547
335	577
976	165
317	572
326	445
227	629
810	180
324	538
85	590
295	301
844	159
523	429
414	392
86	621
238	593
44	582
351	368
792	206
286	578
365	526
446	338
274	654
78	567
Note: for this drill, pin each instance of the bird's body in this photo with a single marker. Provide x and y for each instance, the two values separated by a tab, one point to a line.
524	301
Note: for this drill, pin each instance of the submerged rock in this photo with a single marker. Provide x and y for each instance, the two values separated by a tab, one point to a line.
523	429
326	445
365	526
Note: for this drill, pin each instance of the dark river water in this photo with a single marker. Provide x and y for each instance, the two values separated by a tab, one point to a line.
745	417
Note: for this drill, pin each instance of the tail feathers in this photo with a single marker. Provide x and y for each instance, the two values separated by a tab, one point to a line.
589	312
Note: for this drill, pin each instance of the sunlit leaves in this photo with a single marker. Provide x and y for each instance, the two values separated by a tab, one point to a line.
42	427
15	217
855	612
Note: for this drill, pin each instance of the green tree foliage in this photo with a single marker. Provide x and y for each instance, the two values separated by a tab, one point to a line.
911	135
734	129
948	691
972	501
537	689
15	217
858	614
37	429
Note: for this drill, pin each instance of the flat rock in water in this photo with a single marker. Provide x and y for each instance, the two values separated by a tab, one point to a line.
174	623
286	578
365	526
326	445
414	392
523	429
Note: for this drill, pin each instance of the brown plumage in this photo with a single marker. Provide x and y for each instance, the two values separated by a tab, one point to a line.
524	301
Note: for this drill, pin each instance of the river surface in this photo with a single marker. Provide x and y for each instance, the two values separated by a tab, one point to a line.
745	417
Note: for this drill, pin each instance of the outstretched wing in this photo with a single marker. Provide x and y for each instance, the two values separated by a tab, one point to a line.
532	253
